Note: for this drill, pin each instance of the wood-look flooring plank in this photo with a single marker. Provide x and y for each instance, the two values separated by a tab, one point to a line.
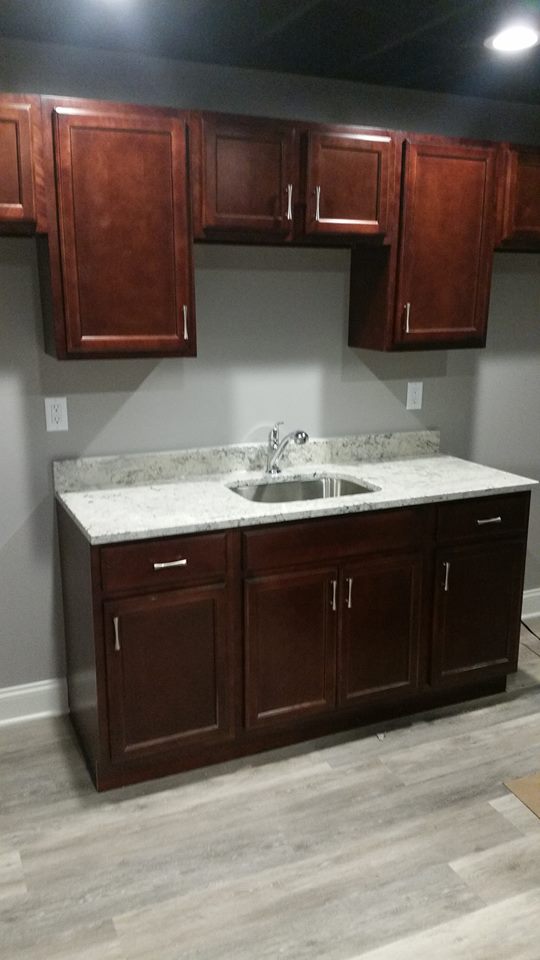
505	871
505	930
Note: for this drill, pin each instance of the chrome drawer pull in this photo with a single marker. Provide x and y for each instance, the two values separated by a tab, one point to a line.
184	311
446	566
289	201
170	563
489	520
407	317
116	635
334	595
318	204
349	593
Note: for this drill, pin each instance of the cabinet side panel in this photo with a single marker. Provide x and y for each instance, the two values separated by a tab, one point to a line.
76	563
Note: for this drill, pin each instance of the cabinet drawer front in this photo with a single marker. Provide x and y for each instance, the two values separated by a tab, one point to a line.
485	517
160	563
346	536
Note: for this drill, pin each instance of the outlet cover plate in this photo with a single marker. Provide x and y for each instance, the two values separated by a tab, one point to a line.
414	395
56	416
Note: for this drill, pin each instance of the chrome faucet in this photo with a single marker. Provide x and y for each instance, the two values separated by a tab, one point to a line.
276	447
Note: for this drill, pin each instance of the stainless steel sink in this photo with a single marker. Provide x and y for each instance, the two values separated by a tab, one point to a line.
314	488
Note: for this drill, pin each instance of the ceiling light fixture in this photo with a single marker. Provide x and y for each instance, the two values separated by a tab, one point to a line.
514	38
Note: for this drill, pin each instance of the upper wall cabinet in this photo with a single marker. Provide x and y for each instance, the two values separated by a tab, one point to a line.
434	292
520	199
21	205
120	242
248	171
271	180
349	180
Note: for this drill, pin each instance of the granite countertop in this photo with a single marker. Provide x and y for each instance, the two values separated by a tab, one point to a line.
151	495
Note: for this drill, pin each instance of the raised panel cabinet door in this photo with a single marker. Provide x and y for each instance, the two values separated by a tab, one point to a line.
168	671
348	183
123	222
521	217
290	645
249	176
446	244
17	196
478	596
381	621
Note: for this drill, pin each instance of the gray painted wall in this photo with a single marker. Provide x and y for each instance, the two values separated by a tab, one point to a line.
271	331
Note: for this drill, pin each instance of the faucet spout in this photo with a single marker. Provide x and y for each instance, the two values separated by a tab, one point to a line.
277	447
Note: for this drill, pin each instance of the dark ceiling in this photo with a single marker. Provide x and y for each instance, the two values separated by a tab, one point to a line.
422	44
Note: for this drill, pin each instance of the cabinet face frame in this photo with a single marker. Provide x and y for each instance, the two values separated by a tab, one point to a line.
117	641
457	333
377	144
217	131
61	117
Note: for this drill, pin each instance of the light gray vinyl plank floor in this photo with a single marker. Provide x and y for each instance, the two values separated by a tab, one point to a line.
352	846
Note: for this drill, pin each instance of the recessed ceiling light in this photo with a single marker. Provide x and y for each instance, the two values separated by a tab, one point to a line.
514	38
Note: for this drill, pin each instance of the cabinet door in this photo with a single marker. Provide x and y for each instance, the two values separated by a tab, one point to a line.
446	244
168	671
290	645
521	216
381	618
249	178
17	197
348	183
125	248
478	595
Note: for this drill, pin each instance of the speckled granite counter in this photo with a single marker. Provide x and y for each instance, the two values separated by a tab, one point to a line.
149	495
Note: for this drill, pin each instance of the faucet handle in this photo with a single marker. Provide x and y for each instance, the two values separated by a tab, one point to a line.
274	432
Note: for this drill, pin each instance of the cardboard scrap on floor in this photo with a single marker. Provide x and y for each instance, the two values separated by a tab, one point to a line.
527	789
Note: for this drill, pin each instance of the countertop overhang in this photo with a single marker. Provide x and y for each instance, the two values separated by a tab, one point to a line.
194	504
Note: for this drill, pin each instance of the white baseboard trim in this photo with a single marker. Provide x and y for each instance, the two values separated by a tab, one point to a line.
531	603
29	701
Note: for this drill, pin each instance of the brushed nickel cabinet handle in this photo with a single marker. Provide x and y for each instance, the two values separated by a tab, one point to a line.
334	595
489	520
116	635
349	592
407	309
171	563
446	566
184	311
289	201
318	204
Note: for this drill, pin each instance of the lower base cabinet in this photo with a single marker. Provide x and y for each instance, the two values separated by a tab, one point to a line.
167	670
185	651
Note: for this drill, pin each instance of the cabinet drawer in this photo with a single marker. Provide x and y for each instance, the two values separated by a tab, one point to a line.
483	517
336	537
166	562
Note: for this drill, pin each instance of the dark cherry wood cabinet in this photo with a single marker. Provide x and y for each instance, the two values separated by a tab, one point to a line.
349	183
168	672
290	644
247	176
259	179
479	588
519	226
336	635
120	244
190	650
21	175
433	290
381	614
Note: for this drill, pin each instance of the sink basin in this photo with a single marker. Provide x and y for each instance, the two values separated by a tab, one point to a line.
314	488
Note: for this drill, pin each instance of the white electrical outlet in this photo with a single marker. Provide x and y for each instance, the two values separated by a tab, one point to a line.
56	416
414	396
